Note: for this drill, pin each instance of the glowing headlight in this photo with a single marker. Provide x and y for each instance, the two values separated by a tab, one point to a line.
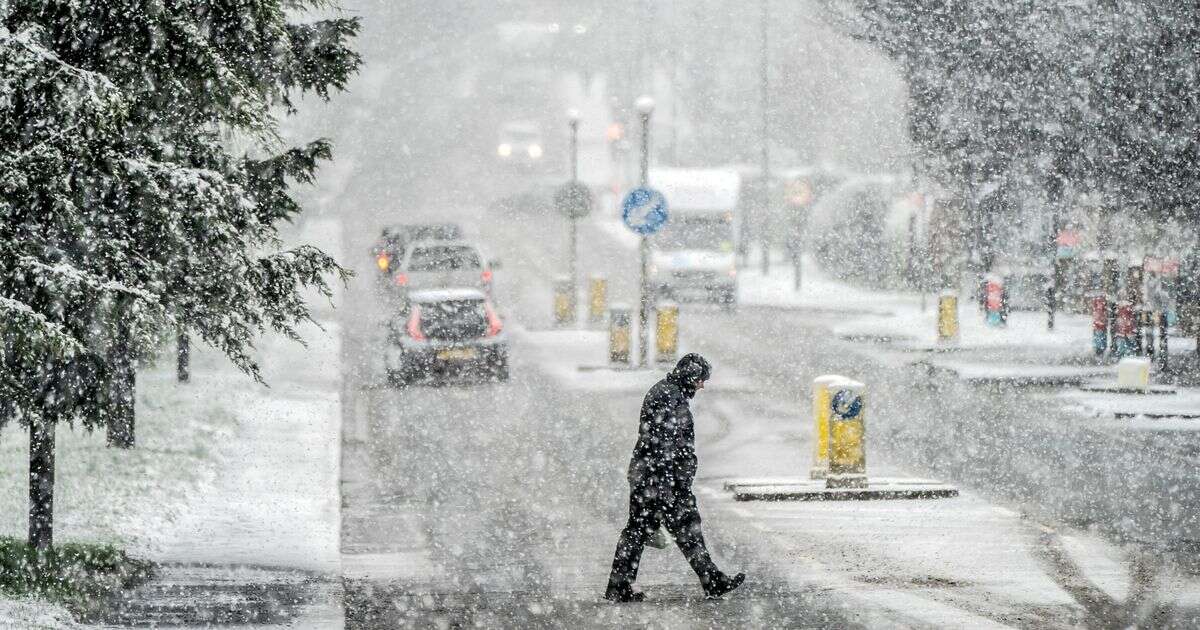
504	150
535	151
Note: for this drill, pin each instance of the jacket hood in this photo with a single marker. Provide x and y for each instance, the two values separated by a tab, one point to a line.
689	372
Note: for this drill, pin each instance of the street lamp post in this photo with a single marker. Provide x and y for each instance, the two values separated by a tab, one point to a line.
766	151
573	123
645	107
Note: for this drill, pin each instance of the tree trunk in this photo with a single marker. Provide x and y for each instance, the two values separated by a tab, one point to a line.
121	415
183	357
121	411
41	484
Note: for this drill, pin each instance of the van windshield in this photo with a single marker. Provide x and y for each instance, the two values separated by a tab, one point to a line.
709	232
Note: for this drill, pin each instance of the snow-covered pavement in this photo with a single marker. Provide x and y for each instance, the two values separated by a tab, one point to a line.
275	500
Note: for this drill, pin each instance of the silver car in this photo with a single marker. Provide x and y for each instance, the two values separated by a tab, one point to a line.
443	331
443	265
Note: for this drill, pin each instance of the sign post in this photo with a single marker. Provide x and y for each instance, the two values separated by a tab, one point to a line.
644	211
649	216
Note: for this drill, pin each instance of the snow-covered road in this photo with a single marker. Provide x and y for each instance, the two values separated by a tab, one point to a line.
500	503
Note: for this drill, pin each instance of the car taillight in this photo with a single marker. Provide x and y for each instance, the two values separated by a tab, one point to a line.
486	275
383	262
494	325
401	280
414	325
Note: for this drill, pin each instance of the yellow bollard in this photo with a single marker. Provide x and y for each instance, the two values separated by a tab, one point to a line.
820	410
619	334
947	324
666	332
597	298
564	302
847	436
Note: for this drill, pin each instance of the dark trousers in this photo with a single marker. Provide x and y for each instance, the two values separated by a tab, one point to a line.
650	509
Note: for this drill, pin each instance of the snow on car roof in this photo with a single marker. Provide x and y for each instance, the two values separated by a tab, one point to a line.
445	295
697	188
432	242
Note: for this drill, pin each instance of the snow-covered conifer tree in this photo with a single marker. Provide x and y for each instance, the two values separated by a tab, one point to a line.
126	213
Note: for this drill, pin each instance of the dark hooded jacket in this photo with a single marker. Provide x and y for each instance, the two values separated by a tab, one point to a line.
665	453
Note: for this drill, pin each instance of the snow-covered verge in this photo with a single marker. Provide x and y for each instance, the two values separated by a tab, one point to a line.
32	614
224	470
127	497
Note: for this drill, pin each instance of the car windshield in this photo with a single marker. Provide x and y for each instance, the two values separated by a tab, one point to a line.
520	135
444	258
707	232
435	232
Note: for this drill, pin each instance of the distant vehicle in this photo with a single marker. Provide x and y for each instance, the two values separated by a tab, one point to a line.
393	243
859	231
695	253
444	265
520	143
445	331
526	40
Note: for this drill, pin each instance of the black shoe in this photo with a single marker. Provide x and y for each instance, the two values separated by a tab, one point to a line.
623	594
722	584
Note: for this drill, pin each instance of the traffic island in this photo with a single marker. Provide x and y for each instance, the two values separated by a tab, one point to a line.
1100	387
839	470
1133	377
876	488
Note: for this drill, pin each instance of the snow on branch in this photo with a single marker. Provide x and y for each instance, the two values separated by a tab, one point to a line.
79	277
19	317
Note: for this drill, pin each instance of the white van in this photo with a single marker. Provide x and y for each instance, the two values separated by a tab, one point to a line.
694	254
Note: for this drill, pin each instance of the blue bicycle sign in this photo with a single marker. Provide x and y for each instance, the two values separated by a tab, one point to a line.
644	211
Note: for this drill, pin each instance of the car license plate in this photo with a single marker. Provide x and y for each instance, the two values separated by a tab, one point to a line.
456	354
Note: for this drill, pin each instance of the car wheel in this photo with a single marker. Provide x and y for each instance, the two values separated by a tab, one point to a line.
396	378
498	369
402	376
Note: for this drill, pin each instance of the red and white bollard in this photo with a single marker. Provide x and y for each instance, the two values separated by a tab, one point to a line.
1125	330
993	301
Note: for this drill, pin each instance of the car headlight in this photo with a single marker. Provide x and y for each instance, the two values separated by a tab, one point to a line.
504	150
535	151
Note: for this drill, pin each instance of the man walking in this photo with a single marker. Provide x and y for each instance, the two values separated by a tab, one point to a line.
660	485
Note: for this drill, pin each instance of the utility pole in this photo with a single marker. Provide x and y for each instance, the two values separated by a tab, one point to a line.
1052	287
766	151
573	248
674	80
645	107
